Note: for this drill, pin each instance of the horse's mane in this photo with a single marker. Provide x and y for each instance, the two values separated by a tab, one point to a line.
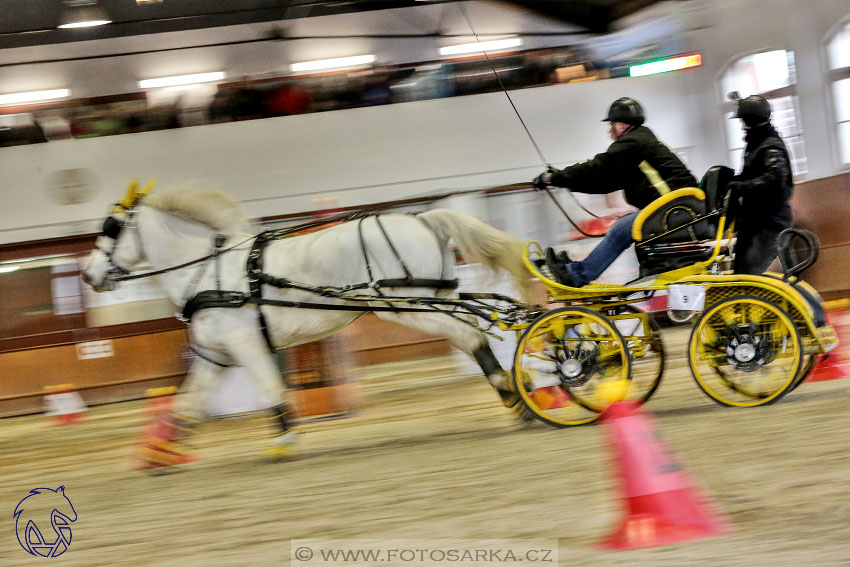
211	207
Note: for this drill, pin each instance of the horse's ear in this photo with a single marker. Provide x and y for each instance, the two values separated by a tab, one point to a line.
151	183
134	193
130	198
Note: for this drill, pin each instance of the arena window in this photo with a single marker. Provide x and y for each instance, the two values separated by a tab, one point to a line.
773	75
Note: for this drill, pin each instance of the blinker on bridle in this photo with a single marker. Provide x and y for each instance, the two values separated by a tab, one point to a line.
112	228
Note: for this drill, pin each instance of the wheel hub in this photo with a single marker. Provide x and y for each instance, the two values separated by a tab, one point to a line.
744	352
571	368
746	349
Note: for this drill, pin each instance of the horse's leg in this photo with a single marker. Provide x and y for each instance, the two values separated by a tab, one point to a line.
467	339
255	357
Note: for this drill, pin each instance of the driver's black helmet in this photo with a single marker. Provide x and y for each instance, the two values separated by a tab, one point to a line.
754	110
626	110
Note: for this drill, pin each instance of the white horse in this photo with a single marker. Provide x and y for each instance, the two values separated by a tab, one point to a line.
181	225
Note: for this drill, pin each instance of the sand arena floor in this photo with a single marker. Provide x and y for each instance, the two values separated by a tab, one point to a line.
434	456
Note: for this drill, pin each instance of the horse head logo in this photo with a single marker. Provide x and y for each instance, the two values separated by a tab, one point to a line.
37	504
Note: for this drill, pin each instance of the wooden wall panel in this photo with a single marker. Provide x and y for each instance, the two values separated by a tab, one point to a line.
139	362
373	341
823	206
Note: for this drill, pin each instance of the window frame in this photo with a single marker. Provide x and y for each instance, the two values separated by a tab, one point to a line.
833	75
727	106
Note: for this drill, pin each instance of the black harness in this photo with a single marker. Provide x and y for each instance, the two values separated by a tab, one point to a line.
257	278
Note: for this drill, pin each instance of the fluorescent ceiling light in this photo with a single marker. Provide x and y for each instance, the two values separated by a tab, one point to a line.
33	96
666	65
83	16
337	63
7	269
178	80
481	46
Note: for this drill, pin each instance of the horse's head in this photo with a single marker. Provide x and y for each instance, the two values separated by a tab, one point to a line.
118	248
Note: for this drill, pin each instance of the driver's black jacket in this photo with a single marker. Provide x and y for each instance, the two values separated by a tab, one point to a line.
638	163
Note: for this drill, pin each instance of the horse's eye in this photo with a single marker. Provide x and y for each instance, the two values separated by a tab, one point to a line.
112	227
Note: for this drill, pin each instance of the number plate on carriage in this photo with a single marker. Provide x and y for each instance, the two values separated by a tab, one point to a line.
686	297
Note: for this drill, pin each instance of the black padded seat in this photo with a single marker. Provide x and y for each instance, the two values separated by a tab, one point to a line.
714	184
666	213
660	247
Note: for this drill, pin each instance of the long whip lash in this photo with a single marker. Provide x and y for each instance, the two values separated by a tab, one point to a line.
528	132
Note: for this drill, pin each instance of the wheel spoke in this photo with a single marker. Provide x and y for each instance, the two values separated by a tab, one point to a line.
561	359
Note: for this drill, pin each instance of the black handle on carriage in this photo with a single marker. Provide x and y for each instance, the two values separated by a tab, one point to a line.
787	243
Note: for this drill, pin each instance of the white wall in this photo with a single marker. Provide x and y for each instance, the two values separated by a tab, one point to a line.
724	30
277	166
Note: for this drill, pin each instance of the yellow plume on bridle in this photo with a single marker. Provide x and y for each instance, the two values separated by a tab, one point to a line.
134	195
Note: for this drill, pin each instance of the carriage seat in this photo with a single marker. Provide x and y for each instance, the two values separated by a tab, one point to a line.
659	246
675	209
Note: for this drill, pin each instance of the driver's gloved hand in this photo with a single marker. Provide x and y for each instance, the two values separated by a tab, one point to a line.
543	180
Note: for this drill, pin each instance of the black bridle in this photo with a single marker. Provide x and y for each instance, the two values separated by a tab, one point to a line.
112	229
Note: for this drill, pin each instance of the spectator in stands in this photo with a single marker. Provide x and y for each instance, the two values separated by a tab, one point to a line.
287	99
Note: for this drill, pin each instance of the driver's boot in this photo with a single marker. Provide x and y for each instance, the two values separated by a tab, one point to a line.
558	265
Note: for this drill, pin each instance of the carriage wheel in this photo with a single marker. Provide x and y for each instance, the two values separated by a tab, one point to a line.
643	340
809	361
560	361
642	337
745	351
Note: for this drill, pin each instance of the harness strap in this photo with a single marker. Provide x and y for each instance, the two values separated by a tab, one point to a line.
392	247
254	265
213	298
363	248
234	299
283	283
202	356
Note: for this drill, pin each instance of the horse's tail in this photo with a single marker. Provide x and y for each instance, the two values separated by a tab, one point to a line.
480	242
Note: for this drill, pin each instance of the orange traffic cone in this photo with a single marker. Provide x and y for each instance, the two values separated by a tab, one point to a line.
64	404
156	449
550	397
662	506
834	365
160	401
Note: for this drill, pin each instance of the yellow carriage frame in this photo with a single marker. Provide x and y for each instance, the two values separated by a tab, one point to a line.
784	314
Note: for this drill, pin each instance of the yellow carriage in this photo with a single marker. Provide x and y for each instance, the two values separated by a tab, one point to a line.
754	338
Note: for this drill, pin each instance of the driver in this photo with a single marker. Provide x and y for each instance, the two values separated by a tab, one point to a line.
639	164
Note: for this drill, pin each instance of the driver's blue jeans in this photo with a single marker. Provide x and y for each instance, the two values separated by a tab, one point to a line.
616	241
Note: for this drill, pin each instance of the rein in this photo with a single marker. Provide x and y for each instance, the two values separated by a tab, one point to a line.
528	133
265	235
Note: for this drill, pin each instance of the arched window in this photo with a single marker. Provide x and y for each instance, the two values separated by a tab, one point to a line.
773	75
838	56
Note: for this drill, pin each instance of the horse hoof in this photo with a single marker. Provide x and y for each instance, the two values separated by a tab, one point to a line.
509	399
523	414
501	381
279	452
